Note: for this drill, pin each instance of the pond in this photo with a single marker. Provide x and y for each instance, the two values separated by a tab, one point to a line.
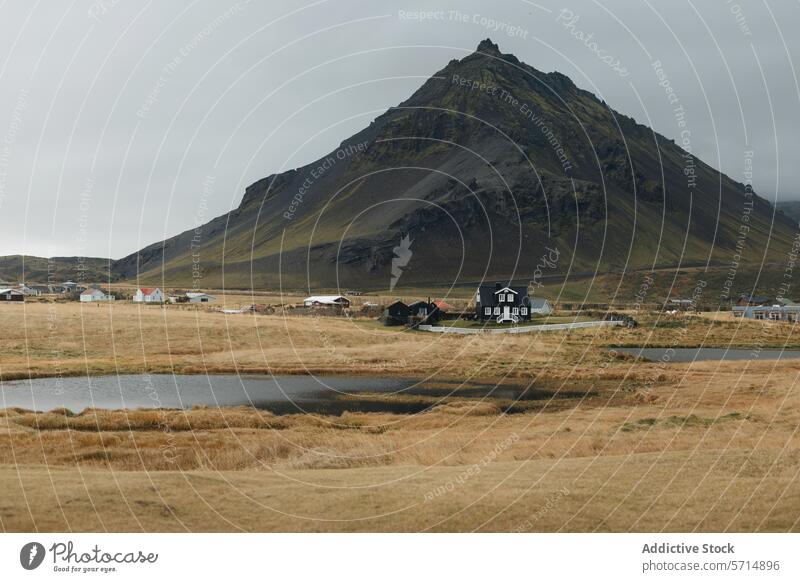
286	394
279	394
707	354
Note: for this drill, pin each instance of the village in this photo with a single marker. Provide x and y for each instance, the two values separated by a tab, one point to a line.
493	306
69	290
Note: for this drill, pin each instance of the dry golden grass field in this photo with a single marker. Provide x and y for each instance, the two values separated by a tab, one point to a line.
609	444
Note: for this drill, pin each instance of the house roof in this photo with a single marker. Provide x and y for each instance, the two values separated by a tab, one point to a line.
92	292
755	298
505	289
538	302
12	291
442	305
486	293
149	290
195	295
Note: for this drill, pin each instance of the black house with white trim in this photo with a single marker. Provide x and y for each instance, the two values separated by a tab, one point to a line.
502	304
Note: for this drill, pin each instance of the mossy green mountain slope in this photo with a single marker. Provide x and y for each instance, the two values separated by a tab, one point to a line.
485	166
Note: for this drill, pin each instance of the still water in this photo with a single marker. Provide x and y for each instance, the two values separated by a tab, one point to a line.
282	394
279	394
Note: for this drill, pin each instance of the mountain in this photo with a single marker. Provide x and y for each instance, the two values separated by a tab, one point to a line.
491	169
17	268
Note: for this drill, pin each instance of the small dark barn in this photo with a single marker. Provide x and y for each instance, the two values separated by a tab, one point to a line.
424	312
397	313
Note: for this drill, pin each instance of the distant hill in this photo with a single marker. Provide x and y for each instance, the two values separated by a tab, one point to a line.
484	168
17	268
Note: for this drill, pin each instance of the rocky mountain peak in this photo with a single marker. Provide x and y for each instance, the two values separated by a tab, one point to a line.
488	47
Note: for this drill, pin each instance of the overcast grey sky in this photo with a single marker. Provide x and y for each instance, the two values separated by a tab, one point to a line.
124	122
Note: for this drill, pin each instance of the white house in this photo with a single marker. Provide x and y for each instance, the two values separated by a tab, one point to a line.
326	301
200	298
148	295
541	306
91	295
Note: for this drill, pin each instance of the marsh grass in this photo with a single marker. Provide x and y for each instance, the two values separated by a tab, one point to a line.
459	431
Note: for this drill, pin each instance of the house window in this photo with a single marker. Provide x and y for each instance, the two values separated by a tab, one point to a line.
515	311
487	311
523	311
497	311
